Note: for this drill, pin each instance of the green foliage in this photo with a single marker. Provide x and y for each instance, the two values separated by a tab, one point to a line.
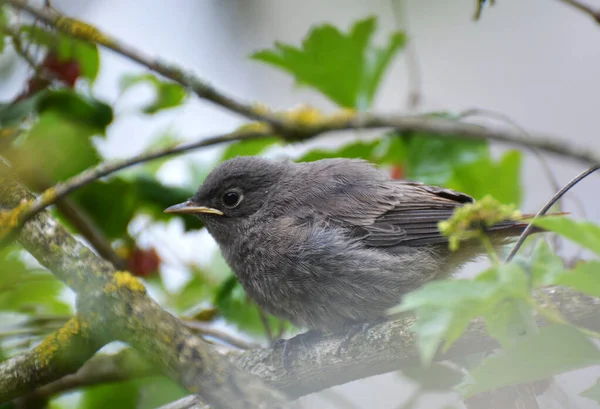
554	350
167	94
67	48
121	395
476	178
250	147
66	123
586	234
433	159
347	68
28	290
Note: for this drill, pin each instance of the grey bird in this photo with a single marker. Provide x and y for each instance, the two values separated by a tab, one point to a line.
330	243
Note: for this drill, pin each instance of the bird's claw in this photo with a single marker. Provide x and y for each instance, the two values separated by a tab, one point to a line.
303	339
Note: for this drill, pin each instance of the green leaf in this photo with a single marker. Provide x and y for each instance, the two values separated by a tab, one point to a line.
198	289
445	308
27	290
382	151
584	233
248	148
510	320
435	378
14	113
78	108
157	391
592	392
433	159
61	144
236	308
154	197
167	94
554	350
98	201
474	178
585	277
67	48
116	395
347	68
543	264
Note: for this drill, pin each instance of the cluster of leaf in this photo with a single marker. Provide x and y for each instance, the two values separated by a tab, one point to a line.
503	296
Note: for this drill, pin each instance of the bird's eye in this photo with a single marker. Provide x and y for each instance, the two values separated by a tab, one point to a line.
231	198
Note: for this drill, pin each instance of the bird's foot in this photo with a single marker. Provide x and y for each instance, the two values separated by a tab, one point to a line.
303	339
350	331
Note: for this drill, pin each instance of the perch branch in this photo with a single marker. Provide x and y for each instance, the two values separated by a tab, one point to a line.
61	353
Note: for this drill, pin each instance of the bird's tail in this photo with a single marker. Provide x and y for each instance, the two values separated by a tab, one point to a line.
512	228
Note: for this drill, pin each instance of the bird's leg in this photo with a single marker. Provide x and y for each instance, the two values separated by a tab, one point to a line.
303	339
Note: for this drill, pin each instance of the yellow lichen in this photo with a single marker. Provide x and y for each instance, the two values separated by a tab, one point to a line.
304	115
123	279
470	220
255	127
10	218
84	31
53	342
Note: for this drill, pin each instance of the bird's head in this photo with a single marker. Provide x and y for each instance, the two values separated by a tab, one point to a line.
232	192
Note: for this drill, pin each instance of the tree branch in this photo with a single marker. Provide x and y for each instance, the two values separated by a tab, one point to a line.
114	306
87	32
387	347
126	364
61	353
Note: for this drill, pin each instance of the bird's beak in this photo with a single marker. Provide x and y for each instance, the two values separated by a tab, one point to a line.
190	207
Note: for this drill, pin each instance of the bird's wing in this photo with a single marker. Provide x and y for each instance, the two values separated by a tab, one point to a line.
408	215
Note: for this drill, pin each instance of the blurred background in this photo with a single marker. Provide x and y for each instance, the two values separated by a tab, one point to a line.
535	62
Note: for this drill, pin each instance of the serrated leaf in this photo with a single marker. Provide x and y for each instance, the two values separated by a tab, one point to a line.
167	94
543	264
445	308
474	178
553	350
584	233
509	320
347	68
585	277
248	148
432	159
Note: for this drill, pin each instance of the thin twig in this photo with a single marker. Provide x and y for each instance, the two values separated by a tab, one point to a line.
547	207
212	332
87	32
426	125
595	14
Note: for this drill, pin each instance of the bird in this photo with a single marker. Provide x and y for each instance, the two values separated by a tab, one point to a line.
331	243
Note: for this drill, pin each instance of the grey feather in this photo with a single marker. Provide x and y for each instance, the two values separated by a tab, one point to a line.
330	242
